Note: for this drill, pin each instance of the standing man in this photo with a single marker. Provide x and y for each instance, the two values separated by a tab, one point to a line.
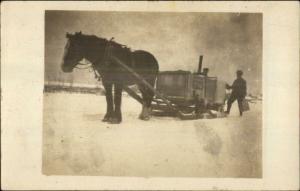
239	91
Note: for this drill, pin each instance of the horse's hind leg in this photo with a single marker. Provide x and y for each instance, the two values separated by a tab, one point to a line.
109	102
147	95
117	116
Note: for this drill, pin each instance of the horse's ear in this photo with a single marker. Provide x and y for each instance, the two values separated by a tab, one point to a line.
68	35
79	32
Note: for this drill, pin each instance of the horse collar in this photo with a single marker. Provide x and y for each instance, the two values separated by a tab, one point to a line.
107	52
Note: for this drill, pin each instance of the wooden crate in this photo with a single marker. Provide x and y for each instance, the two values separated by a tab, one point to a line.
185	88
175	85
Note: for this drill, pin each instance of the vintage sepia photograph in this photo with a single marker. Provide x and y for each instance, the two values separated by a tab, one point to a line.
152	94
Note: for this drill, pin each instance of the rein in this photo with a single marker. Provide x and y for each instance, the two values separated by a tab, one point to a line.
89	66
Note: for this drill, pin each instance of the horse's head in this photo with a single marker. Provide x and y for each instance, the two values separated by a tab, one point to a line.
74	52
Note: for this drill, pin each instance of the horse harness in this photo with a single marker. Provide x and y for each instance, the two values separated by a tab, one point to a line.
108	53
105	59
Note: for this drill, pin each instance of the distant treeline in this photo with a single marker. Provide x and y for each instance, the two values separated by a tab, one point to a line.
73	89
52	87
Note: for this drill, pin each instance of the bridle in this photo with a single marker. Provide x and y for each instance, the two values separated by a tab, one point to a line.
107	54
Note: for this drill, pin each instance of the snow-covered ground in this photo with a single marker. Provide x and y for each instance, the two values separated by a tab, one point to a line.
77	142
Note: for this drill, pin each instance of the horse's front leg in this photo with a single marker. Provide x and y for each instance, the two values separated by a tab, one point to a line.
117	118
109	102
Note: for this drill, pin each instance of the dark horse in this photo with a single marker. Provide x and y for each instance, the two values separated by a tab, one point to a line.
99	52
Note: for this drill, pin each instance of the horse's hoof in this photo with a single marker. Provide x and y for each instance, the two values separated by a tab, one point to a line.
105	120
107	117
115	121
145	118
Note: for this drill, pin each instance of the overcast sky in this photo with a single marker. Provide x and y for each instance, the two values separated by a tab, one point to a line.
228	41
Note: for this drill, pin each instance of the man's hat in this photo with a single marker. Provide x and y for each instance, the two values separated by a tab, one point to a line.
239	72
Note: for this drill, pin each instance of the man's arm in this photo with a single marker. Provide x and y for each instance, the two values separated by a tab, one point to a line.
245	89
232	86
228	86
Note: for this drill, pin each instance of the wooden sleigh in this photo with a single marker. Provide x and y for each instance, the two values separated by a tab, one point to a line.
183	94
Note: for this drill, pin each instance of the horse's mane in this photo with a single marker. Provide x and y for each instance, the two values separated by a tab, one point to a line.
101	40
